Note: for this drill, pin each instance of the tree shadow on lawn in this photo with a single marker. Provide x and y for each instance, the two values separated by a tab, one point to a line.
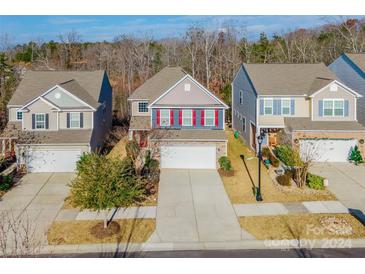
249	174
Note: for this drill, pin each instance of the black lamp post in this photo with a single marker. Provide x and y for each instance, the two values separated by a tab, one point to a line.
260	138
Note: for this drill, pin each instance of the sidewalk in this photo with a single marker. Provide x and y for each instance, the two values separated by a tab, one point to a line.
267	209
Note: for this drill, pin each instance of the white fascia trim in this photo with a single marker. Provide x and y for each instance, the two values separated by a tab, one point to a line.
197	83
54	144
272	126
193	140
326	130
64	90
278	95
197	107
346	88
145	100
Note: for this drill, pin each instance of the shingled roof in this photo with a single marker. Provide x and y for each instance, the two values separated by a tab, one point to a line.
158	84
84	84
288	79
358	59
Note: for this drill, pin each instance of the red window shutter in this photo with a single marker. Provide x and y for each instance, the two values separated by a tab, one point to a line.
158	116
216	117
202	118
180	117
171	117
194	118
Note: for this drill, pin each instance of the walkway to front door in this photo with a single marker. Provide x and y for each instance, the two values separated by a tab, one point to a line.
193	206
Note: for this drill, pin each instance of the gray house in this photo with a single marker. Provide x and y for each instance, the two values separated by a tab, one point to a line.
58	115
304	103
179	120
350	69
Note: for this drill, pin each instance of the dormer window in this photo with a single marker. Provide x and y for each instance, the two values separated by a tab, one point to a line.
187	87
333	87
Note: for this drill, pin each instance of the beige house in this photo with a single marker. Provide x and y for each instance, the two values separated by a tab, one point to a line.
303	103
179	120
58	115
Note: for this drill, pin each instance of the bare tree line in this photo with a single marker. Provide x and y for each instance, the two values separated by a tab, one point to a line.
212	57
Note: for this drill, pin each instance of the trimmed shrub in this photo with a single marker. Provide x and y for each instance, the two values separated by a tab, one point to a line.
287	155
315	181
225	163
285	179
6	182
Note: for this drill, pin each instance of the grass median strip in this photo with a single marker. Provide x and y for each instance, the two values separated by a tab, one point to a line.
79	232
303	226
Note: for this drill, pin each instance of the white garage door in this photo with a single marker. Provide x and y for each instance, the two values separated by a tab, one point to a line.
329	150
52	160
198	157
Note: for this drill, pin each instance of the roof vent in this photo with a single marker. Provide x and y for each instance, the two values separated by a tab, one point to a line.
187	87
57	95
333	87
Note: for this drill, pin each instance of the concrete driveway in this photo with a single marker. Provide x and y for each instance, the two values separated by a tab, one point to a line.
346	181
193	206
38	197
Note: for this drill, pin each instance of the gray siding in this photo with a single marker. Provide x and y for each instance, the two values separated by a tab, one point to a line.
102	121
198	120
354	78
248	108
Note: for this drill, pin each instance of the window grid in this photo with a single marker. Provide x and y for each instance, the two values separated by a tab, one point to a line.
268	106
19	115
164	117
333	107
241	97
74	120
142	107
187	117
40	121
209	117
285	106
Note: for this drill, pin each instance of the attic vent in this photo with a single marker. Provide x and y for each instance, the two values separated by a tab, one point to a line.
57	95
333	87
187	87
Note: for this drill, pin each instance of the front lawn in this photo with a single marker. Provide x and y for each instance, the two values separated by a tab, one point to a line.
79	232
303	226
240	186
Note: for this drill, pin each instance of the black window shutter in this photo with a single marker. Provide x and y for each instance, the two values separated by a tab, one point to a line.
47	120
81	120
68	120
33	121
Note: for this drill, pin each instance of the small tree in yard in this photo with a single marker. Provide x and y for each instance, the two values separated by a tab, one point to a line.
103	183
355	156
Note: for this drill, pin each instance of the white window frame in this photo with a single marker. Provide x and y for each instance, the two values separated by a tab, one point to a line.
139	109
205	117
282	106
272	106
73	120
36	122
16	118
183	114
333	107
241	97
164	116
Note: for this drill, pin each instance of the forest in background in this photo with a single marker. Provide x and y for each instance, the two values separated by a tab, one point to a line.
212	57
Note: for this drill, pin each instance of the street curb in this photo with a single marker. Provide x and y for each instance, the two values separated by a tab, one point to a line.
179	246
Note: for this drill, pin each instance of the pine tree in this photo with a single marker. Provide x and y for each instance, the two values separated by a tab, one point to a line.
355	155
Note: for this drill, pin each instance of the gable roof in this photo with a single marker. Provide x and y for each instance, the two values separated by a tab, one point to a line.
288	79
86	85
158	84
358	59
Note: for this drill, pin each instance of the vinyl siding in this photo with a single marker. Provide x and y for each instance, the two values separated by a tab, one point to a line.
65	100
327	94
40	107
352	77
248	108
134	109
198	120
87	116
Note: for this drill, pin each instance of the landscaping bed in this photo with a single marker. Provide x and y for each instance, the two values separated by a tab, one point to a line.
240	187
303	226
83	232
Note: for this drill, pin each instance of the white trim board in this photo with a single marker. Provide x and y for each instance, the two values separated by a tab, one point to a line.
346	88
194	81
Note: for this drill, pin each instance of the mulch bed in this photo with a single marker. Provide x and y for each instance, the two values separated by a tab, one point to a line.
226	173
100	232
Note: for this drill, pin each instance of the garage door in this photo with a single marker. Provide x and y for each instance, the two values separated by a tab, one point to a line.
328	150
198	157
52	160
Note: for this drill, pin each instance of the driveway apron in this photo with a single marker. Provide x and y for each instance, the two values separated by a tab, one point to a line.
193	206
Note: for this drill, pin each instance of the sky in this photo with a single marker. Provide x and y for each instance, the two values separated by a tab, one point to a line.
22	29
